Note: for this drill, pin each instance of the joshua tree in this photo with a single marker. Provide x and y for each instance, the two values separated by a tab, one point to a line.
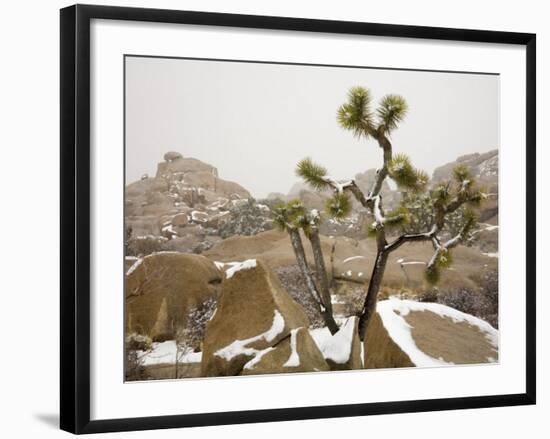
447	197
293	217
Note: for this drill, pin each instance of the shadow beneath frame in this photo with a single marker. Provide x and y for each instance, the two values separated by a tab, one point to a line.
49	419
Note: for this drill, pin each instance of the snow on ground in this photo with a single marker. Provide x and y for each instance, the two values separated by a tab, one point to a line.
335	347
239	347
165	353
393	310
352	258
492	254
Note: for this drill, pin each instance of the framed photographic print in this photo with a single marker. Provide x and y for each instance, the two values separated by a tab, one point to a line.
304	218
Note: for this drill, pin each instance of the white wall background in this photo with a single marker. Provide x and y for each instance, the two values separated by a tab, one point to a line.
29	170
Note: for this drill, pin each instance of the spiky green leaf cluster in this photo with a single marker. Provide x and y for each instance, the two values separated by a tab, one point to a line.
420	208
339	205
443	259
312	173
397	218
294	215
371	230
287	215
392	110
355	115
432	274
405	175
441	194
461	173
470	219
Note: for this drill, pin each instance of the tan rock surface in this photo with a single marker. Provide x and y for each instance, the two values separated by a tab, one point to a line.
254	312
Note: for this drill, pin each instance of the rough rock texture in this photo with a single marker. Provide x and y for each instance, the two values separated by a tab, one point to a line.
405	333
181	164
254	312
171	156
187	200
380	350
295	353
453	342
272	246
162	289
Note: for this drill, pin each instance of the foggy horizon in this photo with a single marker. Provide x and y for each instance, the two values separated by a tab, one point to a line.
254	122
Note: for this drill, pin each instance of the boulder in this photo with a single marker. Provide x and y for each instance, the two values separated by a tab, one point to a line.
180	220
172	155
254	313
380	350
163	288
342	351
405	333
296	353
272	246
184	165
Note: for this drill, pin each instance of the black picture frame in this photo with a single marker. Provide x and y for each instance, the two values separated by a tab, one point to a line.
75	217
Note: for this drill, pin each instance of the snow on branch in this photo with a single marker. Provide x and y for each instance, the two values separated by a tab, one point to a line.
336	185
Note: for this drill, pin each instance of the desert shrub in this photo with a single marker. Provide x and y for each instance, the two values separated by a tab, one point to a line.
482	303
430	295
352	301
293	282
144	245
136	348
247	219
192	335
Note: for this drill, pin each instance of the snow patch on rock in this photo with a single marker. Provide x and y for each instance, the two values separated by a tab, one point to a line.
393	311
240	347
294	358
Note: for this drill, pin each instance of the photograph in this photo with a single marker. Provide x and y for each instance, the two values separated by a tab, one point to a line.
288	218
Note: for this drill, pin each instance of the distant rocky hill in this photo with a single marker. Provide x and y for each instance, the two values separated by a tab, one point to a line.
185	207
484	167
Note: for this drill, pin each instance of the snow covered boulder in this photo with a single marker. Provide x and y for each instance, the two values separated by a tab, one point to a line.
295	353
342	351
254	313
163	288
406	333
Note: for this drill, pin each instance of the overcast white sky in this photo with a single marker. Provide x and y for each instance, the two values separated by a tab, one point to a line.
255	121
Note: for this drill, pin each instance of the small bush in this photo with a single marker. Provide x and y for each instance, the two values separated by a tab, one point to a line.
482	303
247	219
134	348
193	334
144	245
294	284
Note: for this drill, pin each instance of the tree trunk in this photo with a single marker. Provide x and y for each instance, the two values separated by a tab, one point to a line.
320	269
369	307
300	254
